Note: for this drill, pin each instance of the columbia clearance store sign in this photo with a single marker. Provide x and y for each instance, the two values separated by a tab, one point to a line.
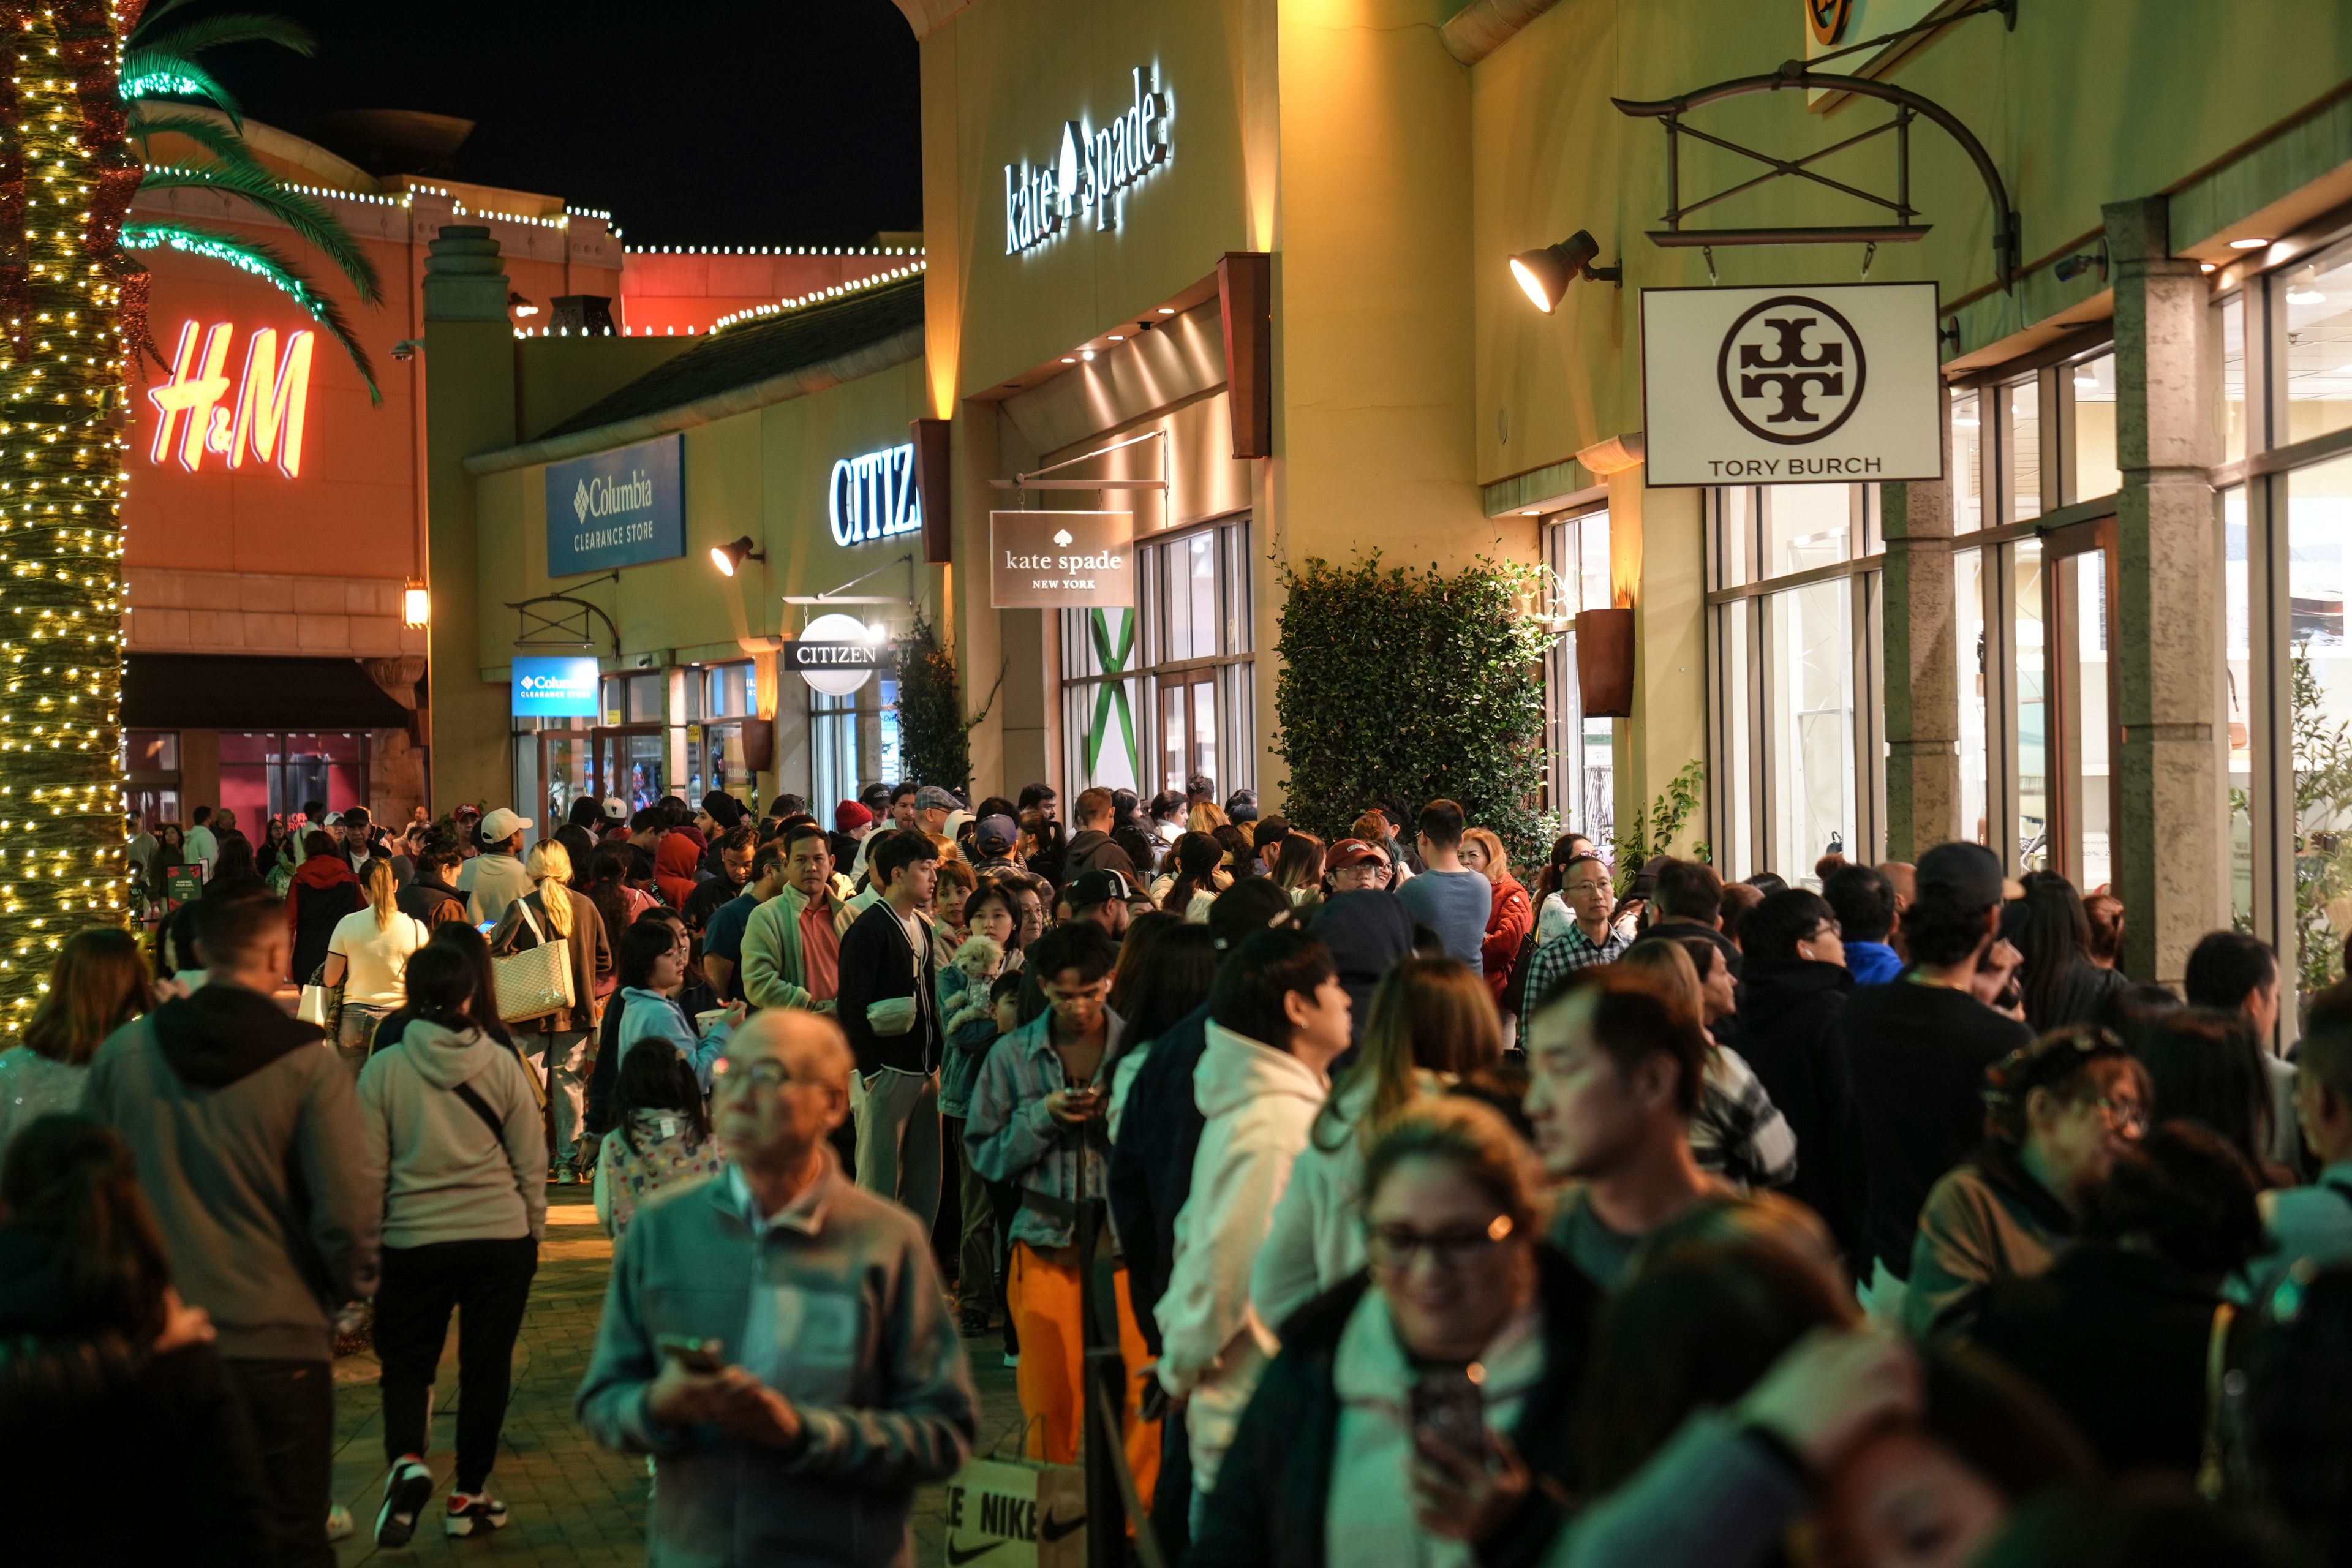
620	508
1836	385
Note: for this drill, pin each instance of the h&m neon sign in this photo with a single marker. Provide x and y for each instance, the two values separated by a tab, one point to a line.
196	411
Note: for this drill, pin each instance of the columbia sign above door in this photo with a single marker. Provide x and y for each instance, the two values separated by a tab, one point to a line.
1794	385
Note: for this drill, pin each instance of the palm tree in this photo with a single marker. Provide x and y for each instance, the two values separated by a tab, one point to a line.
72	296
166	62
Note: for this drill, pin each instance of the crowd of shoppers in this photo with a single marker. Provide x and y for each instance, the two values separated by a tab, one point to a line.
1613	1216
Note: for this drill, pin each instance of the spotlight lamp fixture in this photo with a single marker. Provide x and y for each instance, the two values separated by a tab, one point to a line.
1546	274
728	557
2069	267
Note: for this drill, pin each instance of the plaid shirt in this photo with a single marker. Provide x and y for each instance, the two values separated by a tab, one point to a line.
1564	955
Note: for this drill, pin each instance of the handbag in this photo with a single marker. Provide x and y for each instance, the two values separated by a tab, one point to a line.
321	1004
891	1015
537	980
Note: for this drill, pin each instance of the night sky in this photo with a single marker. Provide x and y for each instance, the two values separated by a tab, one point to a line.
749	123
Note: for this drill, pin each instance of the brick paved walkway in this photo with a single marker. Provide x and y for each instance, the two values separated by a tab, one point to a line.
572	1502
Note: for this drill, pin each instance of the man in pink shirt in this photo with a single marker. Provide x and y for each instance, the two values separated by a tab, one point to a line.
791	943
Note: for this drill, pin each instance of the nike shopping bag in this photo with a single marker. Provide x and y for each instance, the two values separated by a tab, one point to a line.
1016	1513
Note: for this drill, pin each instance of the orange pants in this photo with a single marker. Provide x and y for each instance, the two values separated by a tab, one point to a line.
1043	1296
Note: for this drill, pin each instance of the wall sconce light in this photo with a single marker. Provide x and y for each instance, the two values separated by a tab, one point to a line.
2069	267
727	557
520	306
416	606
1546	274
1604	662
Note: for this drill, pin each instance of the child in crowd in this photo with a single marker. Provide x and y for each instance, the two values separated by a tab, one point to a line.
664	1139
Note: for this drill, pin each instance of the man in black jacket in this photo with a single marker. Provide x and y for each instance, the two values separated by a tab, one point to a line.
1918	1049
1092	848
431	896
888	1005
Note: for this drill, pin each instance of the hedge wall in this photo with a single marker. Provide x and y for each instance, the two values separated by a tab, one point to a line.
1413	684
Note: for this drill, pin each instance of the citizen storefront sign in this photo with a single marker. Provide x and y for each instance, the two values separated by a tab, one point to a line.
1792	386
1090	171
1061	559
836	654
874	497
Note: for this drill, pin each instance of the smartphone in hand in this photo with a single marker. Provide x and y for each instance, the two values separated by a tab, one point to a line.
694	1355
1450	1408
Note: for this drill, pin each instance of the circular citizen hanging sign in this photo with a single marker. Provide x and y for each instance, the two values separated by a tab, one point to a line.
836	654
1790	370
1829	19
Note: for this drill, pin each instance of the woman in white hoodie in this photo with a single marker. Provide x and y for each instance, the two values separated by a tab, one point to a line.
1432	1023
1277	1020
453	1134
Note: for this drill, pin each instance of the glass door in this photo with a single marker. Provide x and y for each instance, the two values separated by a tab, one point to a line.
566	766
1187	727
2078	593
629	765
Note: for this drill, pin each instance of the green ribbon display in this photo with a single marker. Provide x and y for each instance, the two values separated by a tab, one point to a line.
1111	694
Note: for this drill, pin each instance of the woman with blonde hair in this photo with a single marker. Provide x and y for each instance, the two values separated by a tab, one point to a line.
557	1042
1207	818
1299	869
98	983
368	957
1736	1134
1431	1025
1510	918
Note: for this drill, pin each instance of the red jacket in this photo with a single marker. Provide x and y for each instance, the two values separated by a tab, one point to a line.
674	866
1509	920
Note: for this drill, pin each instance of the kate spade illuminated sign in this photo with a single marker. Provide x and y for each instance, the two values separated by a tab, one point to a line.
259	415
874	497
1092	169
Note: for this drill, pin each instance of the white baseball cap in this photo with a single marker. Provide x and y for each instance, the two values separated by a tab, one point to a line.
503	824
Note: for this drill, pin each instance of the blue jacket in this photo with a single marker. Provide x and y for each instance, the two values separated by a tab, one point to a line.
1872	962
650	1015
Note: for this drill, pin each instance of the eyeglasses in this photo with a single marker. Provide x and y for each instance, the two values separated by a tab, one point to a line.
1576	890
1392	1247
1827	928
2127	1116
765	1074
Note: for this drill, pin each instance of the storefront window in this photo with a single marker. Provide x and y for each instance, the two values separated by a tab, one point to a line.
2234	377
150	774
2092	384
1809	648
2237	651
1153	696
854	741
2020	404
275	774
1968	462
1578	749
1969	662
1795	758
2317	355
2031	843
714	746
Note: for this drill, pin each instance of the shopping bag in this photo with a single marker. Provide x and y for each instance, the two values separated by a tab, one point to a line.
1024	1513
321	1004
535	981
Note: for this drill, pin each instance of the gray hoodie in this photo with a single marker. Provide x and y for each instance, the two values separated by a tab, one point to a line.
445	1177
248	1143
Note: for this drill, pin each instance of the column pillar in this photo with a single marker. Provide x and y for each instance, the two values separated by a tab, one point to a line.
1657	557
1922	677
2171	840
469	406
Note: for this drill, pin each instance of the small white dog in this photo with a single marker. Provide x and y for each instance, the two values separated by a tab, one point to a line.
982	960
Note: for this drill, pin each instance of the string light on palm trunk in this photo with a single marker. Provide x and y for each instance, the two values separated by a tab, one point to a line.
62	458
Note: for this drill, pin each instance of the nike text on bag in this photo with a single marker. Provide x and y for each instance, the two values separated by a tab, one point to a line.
1016	1513
535	981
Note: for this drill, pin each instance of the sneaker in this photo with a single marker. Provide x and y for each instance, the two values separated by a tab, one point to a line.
560	1174
338	1523
475	1514
974	1323
1012	1359
406	1492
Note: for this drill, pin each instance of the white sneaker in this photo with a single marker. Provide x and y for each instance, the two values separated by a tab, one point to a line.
477	1514
338	1523
406	1492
